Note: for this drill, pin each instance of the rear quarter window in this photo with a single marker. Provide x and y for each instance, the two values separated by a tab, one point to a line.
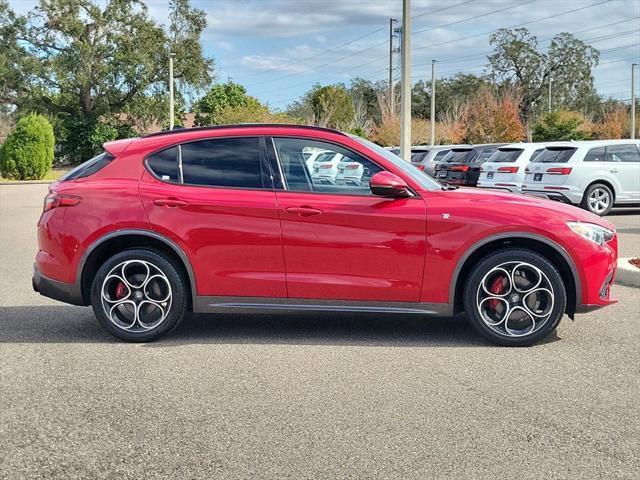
89	167
555	155
165	164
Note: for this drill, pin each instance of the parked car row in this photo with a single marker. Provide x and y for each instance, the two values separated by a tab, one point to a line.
596	175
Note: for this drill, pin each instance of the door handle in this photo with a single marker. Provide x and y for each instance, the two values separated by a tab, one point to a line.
169	202
614	171
303	211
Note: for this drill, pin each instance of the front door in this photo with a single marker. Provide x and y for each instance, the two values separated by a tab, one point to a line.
340	241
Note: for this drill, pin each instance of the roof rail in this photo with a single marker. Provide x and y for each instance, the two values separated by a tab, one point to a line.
239	125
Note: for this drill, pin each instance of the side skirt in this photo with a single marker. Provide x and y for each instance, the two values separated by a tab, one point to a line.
204	304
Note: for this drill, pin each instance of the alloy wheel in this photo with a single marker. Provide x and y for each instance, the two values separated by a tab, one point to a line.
136	296
599	200
515	299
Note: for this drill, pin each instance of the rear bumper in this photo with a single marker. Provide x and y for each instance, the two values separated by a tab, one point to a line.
550	195
552	192
61	291
498	186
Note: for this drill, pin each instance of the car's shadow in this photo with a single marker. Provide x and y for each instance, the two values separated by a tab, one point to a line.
66	324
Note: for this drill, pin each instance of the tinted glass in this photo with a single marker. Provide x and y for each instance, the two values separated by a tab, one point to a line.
165	164
536	153
417	157
504	155
595	155
326	157
485	153
224	162
350	176
440	155
555	155
623	153
89	167
459	156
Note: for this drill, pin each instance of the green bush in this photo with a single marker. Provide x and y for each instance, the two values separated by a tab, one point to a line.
27	154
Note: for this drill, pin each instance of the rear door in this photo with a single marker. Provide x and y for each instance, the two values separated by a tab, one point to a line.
215	198
625	166
341	242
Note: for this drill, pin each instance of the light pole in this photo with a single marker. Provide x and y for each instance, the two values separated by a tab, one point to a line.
171	101
633	100
391	36
433	102
405	106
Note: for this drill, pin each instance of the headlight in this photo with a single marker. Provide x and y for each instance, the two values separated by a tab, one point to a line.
592	232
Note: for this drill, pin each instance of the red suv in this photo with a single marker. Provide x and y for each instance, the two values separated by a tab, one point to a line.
229	218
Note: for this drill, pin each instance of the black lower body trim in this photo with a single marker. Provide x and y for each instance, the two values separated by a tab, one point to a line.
61	291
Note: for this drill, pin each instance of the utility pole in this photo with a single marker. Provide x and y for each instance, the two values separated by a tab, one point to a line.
405	106
633	100
171	101
432	118
391	36
549	91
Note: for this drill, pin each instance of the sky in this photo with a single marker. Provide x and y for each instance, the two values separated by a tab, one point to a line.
279	48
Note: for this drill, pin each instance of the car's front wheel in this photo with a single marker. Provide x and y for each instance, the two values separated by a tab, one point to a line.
139	295
515	297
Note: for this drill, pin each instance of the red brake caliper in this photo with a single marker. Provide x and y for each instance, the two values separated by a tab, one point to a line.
121	290
496	287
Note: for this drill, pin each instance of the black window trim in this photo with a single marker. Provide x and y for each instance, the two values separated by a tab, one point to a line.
265	168
273	151
607	147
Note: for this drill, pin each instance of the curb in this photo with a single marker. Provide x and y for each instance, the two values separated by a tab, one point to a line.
627	274
28	182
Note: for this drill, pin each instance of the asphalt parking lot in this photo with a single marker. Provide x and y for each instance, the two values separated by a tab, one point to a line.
308	396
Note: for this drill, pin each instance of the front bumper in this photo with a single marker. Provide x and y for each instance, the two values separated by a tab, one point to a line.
61	291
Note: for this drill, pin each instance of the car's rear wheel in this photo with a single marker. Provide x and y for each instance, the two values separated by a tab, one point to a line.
139	295
598	199
515	297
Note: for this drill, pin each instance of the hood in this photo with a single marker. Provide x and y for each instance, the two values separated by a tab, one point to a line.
558	210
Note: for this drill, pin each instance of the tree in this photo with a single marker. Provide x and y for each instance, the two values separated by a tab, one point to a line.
253	112
449	91
219	97
84	62
332	107
364	93
493	117
568	64
27	154
558	126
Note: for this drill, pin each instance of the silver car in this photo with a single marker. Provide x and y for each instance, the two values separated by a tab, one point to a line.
426	157
593	174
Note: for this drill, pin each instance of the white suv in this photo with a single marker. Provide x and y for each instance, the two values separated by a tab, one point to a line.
504	170
593	174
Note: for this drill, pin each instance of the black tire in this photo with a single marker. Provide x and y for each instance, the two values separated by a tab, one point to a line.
478	304
159	317
588	203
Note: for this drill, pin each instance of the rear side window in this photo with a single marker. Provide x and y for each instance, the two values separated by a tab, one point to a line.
224	162
417	157
623	153
595	155
165	164
555	155
89	167
536	153
440	155
506	155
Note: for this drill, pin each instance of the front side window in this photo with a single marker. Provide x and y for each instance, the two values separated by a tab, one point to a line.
337	170
623	153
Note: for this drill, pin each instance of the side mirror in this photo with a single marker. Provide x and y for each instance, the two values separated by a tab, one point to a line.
387	184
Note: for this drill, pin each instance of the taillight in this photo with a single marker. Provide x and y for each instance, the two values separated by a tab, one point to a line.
508	169
328	165
55	200
420	167
351	167
459	168
559	171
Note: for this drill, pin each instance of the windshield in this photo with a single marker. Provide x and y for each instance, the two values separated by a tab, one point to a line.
459	156
420	177
555	155
505	155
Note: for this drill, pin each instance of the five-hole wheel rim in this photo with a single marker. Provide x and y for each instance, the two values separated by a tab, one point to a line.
136	296
515	299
